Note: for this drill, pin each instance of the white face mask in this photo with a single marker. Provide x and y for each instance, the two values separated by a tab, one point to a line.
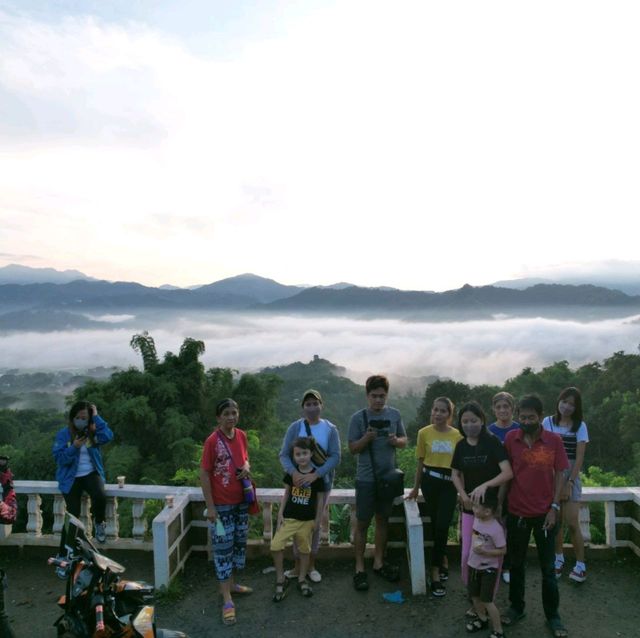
80	424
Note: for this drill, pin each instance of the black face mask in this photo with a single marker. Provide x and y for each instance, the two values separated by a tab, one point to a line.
530	428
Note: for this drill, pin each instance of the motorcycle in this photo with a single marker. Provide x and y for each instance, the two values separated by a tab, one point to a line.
98	602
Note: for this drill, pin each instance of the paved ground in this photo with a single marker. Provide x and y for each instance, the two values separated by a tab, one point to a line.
606	606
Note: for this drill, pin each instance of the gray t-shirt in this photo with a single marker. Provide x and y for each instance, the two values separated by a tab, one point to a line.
386	422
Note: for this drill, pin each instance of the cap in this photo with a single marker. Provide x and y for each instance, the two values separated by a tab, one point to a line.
311	393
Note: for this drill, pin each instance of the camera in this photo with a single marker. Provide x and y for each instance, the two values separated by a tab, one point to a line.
382	426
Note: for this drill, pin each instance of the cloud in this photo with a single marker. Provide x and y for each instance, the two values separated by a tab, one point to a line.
473	352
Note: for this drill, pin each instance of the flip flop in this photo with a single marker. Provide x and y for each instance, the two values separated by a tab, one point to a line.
512	616
228	614
557	628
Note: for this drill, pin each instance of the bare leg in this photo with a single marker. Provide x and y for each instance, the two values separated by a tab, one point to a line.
360	542
304	567
480	608
225	590
382	531
278	561
494	616
572	513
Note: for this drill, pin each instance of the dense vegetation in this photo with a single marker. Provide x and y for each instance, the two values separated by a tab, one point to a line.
162	413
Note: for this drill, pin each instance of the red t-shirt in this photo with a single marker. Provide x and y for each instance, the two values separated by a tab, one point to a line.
534	470
226	489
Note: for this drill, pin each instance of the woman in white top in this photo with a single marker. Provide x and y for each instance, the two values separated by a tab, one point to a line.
568	424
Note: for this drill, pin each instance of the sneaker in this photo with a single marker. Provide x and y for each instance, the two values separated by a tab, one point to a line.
314	576
559	568
289	573
360	581
101	532
578	575
506	576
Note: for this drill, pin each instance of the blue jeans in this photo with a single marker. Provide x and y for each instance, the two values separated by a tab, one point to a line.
518	534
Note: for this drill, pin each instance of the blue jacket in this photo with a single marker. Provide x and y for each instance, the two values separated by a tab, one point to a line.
67	455
326	471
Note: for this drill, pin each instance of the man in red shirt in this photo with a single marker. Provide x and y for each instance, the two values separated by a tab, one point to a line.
537	458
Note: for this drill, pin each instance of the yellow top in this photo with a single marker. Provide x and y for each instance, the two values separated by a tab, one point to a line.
436	448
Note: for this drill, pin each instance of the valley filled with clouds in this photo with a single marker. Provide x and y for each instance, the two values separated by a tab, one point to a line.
469	351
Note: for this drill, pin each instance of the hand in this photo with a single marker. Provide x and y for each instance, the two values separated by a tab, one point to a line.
245	471
212	513
477	495
79	441
95	410
550	519
466	501
412	495
392	439
480	549
370	435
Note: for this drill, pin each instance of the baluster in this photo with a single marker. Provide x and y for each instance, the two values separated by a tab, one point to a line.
324	527
267	522
59	509
111	514
139	519
34	521
84	514
354	522
585	522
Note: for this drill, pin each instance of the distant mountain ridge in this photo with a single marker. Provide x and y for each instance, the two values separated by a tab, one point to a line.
47	306
17	274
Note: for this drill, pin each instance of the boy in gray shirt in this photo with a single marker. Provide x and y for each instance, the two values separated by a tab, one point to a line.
376	431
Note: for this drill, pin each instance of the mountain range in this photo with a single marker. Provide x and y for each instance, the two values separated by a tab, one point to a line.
88	303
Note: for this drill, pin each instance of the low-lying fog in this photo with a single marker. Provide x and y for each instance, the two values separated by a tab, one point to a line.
473	352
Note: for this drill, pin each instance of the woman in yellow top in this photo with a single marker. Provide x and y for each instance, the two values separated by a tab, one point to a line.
434	451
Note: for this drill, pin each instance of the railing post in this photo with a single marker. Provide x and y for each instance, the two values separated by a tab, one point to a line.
34	512
324	526
84	514
610	523
59	508
111	514
584	520
354	522
139	520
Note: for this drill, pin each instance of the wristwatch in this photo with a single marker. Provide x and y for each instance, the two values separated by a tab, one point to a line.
555	506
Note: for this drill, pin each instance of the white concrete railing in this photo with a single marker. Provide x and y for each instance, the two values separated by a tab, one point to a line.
175	526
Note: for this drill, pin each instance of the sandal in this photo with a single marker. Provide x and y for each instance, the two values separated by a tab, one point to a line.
496	634
360	581
512	616
557	628
228	614
444	573
470	614
437	589
305	589
388	572
476	625
281	591
242	589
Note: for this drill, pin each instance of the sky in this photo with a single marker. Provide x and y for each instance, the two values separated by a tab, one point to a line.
424	147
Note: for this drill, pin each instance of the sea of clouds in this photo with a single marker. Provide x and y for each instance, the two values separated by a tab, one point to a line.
469	351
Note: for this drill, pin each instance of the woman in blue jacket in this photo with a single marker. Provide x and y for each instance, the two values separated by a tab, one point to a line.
76	450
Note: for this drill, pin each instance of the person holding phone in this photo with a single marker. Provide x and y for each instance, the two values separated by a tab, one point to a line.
76	450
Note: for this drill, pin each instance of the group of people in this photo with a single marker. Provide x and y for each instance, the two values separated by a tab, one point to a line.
511	479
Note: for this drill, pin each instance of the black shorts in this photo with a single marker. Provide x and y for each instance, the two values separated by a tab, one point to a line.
482	584
368	503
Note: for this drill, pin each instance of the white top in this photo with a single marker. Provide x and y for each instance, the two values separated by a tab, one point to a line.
320	432
85	465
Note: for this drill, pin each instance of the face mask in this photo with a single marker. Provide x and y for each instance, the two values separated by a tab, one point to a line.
80	424
565	409
4	464
472	430
530	428
313	412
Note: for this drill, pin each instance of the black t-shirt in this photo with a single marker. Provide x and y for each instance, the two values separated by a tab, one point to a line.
479	463
301	504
